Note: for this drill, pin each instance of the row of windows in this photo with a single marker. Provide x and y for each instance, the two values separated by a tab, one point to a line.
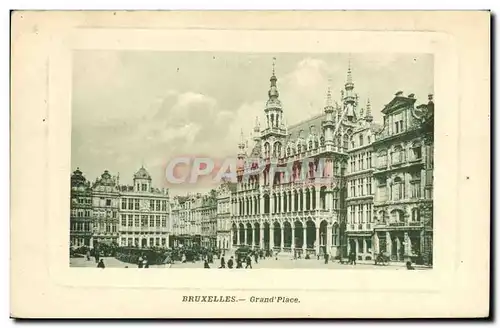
359	213
145	221
152	241
399	155
105	214
360	187
154	205
80	200
360	162
80	226
398	216
108	227
398	190
80	213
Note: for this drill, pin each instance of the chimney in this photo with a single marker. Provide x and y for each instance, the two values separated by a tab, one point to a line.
431	97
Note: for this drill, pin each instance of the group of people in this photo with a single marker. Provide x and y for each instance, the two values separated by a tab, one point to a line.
232	262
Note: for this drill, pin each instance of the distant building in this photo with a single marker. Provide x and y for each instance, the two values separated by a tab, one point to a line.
81	227
208	210
223	216
144	213
105	205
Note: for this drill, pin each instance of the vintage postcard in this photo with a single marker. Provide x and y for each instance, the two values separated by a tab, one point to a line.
321	164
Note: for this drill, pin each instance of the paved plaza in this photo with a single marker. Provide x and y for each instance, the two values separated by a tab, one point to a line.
269	263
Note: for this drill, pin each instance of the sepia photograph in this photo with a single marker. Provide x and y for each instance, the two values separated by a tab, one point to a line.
232	160
298	156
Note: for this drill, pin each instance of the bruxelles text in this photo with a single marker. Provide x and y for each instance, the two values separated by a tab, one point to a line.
189	170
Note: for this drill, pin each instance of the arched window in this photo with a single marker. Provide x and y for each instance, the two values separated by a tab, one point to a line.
369	139
322	141
299	148
397	189
382	159
335	235
415	215
310	144
360	140
397	216
397	155
316	143
288	151
416	150
267	150
346	142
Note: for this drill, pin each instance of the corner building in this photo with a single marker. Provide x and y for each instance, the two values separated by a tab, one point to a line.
81	226
403	180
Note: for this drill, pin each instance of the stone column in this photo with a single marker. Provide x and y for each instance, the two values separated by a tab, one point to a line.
317	240
282	241
252	237
316	191
271	237
304	241
329	239
282	201
292	202
237	235
261	236
271	203
293	237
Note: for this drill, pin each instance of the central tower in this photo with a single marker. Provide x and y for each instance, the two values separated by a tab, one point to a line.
274	111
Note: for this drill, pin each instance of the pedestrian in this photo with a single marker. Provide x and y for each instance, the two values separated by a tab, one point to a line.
139	264
88	255
326	258
222	262
249	262
239	265
256	257
101	264
230	263
409	266
206	266
146	263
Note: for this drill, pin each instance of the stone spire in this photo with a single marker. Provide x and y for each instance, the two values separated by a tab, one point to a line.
274	110
368	116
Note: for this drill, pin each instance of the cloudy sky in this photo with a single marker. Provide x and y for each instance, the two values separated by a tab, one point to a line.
135	107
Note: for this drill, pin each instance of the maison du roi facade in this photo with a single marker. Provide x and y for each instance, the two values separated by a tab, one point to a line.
377	196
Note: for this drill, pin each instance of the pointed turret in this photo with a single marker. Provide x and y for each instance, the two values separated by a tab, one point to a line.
349	98
241	146
274	110
329	122
368	116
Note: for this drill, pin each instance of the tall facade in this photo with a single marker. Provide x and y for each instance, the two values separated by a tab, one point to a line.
403	180
209	219
81	227
144	213
105	206
296	211
223	216
360	191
